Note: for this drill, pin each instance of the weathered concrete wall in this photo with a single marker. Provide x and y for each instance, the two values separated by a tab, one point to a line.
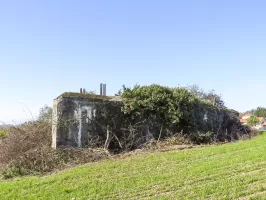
81	120
78	119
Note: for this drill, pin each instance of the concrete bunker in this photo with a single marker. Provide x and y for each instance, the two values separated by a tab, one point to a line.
79	118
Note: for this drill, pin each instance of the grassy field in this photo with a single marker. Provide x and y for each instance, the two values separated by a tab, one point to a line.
230	171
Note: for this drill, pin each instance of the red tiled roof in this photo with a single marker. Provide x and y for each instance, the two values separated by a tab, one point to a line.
247	115
243	120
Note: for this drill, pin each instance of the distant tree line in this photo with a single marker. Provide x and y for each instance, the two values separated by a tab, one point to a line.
258	112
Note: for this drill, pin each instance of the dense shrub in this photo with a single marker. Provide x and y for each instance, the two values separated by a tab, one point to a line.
178	109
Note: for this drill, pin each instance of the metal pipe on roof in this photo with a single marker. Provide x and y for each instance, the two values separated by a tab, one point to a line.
101	89
104	89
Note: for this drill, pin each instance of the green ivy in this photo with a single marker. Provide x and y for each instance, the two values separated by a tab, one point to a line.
175	107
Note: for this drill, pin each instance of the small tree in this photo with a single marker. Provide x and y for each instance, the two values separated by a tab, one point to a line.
45	114
253	120
214	98
210	96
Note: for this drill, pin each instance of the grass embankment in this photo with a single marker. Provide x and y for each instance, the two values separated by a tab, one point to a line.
230	171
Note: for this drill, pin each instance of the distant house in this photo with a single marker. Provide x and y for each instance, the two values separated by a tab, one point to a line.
246	116
244	121
261	124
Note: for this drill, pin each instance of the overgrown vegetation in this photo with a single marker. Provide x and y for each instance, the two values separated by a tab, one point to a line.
230	171
26	149
149	114
181	110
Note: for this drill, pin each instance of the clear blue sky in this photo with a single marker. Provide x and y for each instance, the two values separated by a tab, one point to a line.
48	47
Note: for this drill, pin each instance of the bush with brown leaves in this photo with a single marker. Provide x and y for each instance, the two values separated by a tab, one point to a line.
26	149
23	138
